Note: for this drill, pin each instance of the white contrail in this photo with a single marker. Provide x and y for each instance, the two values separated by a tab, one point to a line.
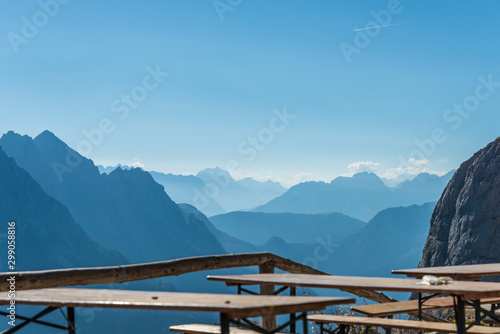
386	25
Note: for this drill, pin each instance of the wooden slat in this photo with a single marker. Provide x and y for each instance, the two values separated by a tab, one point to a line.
397	323
411	306
208	329
233	305
466	289
268	323
134	272
465	272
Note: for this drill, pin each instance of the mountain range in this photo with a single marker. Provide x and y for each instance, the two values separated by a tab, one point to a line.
360	196
394	238
125	210
258	227
213	191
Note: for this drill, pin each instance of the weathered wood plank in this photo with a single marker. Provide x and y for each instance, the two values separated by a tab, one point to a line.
207	329
411	306
464	272
466	289
268	323
134	272
397	323
234	305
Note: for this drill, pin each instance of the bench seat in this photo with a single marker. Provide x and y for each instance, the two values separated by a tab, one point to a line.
208	329
411	306
397	323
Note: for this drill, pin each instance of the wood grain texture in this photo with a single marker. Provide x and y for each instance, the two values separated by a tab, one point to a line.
234	305
396	323
208	329
268	323
466	272
135	272
411	306
466	289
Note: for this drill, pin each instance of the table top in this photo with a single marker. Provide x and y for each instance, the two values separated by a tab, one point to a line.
466	272
233	305
466	289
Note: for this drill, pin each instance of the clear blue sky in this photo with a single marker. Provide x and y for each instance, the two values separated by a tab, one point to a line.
227	76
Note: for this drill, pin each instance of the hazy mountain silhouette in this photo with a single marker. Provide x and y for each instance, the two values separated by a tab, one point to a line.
257	227
393	183
417	190
298	252
276	245
265	190
394	238
360	196
181	189
188	189
126	210
47	236
230	244
234	195
213	191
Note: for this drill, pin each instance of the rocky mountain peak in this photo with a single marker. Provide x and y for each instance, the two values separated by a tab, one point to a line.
465	223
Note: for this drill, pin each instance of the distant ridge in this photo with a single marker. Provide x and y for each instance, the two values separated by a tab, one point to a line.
230	244
392	239
213	191
235	195
257	227
360	196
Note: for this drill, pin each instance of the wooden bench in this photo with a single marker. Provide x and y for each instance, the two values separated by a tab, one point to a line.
208	329
411	306
346	321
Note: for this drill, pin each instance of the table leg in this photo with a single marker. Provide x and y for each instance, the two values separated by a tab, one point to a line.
420	306
460	316
305	327
268	322
32	319
293	292
224	323
388	330
477	308
71	320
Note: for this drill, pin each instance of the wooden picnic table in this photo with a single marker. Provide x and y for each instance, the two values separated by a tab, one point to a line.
230	307
465	292
473	272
